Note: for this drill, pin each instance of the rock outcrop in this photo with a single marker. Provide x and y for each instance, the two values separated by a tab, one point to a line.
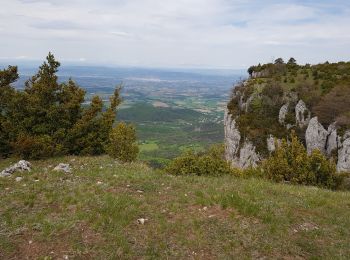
248	156
315	136
271	143
245	105
332	140
282	114
232	137
343	164
244	157
259	74
22	165
302	114
62	167
327	141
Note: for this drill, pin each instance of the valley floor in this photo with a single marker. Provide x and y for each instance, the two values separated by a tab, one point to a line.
93	212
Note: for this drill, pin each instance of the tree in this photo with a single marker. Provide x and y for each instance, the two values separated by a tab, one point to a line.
279	61
7	94
251	70
122	143
292	61
290	162
48	118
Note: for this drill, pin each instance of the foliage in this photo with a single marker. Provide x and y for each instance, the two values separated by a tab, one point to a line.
122	143
210	163
335	106
48	117
290	162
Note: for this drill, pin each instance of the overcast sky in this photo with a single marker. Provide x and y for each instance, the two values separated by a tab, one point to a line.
175	33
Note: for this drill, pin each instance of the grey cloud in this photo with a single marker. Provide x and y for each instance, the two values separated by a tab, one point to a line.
168	32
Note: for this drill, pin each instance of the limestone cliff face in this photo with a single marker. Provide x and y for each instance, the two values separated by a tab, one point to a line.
283	113
328	142
344	156
259	74
316	136
243	154
232	138
302	114
239	156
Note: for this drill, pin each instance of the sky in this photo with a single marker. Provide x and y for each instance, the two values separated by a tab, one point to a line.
175	33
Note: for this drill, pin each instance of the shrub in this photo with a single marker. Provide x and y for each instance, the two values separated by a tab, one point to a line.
122	143
334	104
343	181
36	147
210	163
290	162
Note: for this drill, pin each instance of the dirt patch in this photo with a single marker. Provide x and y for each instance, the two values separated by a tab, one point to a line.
307	226
28	247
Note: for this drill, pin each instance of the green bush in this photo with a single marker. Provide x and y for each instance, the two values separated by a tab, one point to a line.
291	163
122	143
210	163
343	181
36	147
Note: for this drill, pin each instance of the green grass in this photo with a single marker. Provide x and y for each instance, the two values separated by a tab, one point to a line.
92	214
148	146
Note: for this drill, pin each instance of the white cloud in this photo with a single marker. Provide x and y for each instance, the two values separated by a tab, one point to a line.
172	33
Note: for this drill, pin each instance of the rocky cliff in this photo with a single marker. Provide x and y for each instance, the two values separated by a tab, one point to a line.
316	137
264	109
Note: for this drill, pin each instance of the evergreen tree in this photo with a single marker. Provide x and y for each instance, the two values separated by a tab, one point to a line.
48	118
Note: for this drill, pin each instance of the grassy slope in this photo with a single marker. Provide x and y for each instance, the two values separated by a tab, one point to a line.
74	215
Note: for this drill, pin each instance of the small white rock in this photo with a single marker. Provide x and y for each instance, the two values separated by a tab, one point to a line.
142	221
19	179
63	168
99	182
